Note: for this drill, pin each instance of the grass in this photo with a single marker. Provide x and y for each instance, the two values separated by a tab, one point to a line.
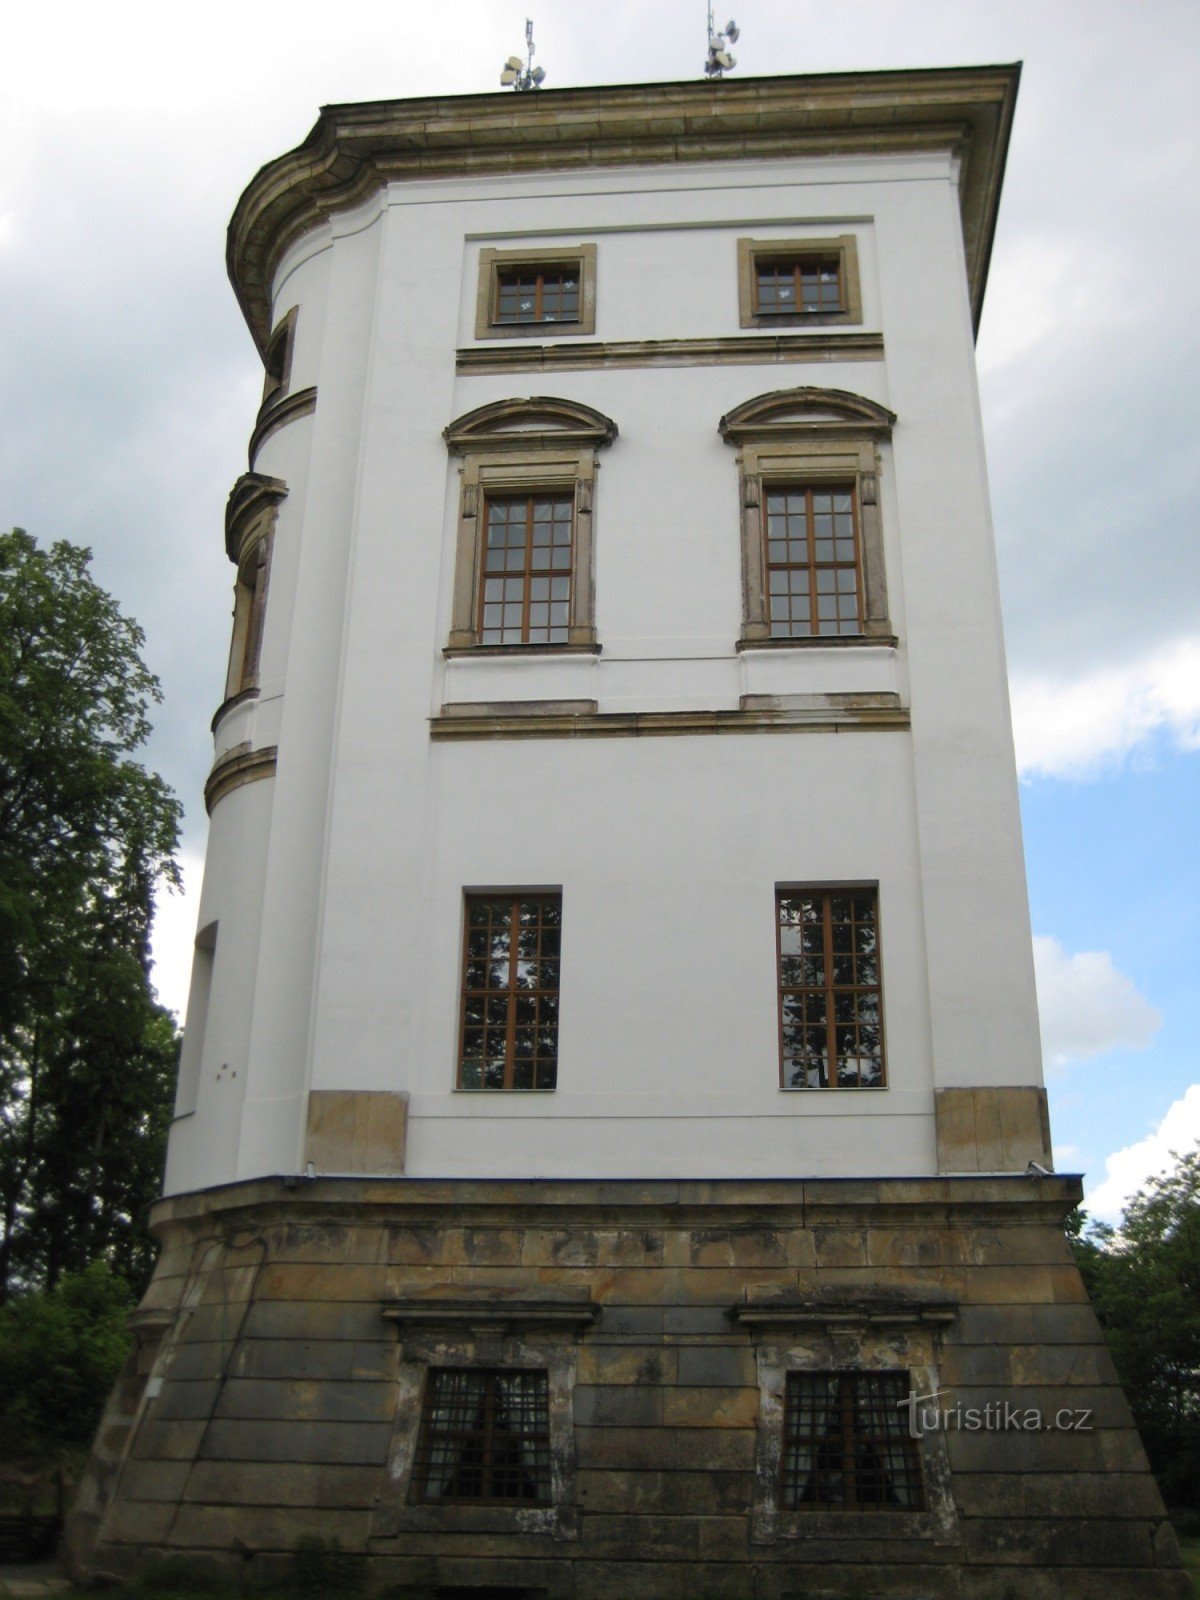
1191	1560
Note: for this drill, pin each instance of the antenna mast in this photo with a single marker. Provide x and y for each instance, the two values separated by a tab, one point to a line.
719	60
521	75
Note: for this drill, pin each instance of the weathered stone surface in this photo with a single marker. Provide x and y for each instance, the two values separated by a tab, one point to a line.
280	1407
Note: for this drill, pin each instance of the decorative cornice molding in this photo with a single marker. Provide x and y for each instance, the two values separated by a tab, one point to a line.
493	1315
238	766
353	150
806	413
844	1314
300	404
539	423
505	720
745	350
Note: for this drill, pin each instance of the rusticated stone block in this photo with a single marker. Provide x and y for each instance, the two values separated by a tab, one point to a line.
293	1407
357	1130
710	1408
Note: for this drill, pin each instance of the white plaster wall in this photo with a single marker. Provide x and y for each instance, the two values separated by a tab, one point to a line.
667	850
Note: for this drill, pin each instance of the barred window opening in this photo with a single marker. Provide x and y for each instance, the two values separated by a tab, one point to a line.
485	1435
846	1443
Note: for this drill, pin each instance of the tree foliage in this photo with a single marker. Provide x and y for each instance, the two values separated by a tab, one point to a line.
86	834
1144	1280
60	1353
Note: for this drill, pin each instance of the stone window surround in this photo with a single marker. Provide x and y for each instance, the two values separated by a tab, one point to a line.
843	246
809	1336
250	519
540	1335
806	437
277	359
524	447
492	262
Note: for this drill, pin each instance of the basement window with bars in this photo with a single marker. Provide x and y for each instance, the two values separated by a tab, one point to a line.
509	1037
484	1437
846	1443
830	994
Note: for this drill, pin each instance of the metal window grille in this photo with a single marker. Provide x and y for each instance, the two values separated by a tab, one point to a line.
814	584
846	1444
484	1435
511	949
525	596
830	997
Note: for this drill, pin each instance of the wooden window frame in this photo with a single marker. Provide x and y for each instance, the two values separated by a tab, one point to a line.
828	988
812	565
880	1392
493	264
487	1434
525	447
842	248
528	574
511	992
812	439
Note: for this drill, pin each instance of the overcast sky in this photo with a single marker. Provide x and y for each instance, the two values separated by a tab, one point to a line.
128	386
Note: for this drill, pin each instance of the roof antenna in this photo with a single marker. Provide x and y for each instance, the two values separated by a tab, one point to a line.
520	75
719	59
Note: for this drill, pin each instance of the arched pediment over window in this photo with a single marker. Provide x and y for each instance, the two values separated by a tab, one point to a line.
541	422
807	413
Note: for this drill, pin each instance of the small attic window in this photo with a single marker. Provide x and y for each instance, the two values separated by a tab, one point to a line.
523	293
278	359
785	283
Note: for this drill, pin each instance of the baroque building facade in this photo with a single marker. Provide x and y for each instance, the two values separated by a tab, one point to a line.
610	1153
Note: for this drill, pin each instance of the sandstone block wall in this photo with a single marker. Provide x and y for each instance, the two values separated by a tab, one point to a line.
285	1338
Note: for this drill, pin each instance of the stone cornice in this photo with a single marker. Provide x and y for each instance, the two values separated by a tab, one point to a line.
237	767
354	149
748	350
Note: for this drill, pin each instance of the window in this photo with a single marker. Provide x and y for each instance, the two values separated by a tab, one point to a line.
249	533
484	1436
790	282
536	292
277	361
846	1443
509	1034
813	580
812	541
523	574
526	594
830	1021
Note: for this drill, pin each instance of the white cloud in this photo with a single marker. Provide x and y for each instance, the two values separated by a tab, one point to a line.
1127	1170
1087	1006
173	938
1070	729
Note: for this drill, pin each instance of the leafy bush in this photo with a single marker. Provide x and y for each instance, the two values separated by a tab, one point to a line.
60	1353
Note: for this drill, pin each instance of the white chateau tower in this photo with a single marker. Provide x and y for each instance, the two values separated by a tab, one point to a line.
611	1083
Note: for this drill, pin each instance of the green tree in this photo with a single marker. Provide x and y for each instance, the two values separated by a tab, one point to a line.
1144	1280
86	835
60	1353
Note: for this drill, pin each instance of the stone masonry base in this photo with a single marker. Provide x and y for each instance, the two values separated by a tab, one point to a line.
284	1345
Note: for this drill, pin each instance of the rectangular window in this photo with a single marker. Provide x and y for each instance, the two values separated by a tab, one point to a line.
537	294
791	282
784	287
814	587
510	991
846	1443
830	1000
525	597
525	293
484	1436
